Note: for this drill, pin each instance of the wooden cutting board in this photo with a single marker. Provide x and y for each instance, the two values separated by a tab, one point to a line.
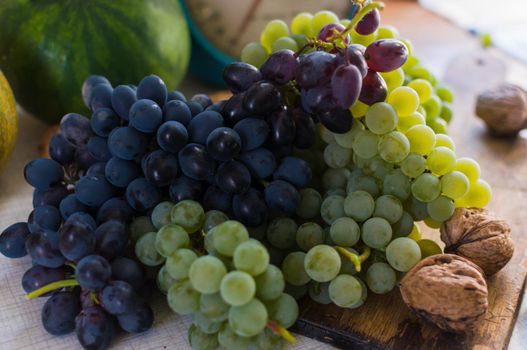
384	322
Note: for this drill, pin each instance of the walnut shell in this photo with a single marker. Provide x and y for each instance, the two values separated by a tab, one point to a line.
503	108
478	236
447	290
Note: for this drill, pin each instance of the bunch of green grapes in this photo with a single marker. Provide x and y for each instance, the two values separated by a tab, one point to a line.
211	269
434	99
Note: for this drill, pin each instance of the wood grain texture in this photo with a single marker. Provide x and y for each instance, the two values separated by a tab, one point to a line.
384	322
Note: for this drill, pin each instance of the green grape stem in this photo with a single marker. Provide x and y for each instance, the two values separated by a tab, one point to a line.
278	329
360	15
355	259
51	287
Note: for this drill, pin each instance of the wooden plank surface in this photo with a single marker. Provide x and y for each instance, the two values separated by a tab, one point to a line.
384	322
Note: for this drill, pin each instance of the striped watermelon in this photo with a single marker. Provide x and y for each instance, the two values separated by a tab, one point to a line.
48	48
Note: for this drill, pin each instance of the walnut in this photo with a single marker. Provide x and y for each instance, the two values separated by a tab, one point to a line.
447	290
503	108
480	237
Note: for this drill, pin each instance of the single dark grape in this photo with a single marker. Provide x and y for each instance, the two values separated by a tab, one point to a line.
354	54
137	320
250	208
318	99
94	328
145	116
50	235
45	217
160	167
202	125
185	188
93	272
38	276
369	23
93	190
253	132
346	84
262	98
70	204
260	162
42	251
178	111
233	177
172	136
283	128
60	150
223	144
43	173
83	158
120	172
294	170
112	238
117	297
280	66
337	120
127	143
82	218
305	129
195	162
142	195
216	107
330	31
152	88
386	55
282	197
96	169
215	198
195	108
13	240
52	196
123	97
76	240
315	69
98	148
128	270
59	312
101	97
176	95
202	99
374	88
104	120
239	76
89	84
115	208
233	110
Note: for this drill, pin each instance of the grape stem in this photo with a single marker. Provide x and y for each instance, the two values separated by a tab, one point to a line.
360	15
355	259
277	329
51	287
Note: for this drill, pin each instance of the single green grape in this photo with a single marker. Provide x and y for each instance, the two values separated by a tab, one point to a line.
422	139
393	79
322	263
283	310
274	30
443	140
388	207
319	292
441	160
405	123
420	72
326	135
404	100
178	264
170	238
441	208
454	184
381	118
364	40
416	208
423	88
164	281
332	208
205	324
308	235
363	296
146	252
439	125
413	165
161	214
394	147
434	224
293	269
426	187
266	340
201	340
363	183
251	257
335	178
397	184
214	307
270	284
478	196
182	298
387	32
445	94
376	232
188	214
336	156
345	290
345	231
206	273
227	236
410	63
237	288
284	43
432	107
359	109
381	278
359	205
301	24
213	218
428	248
228	339
255	54
281	232
139	226
446	112
309	205
365	144
469	167
301	41
249	319
403	253
346	139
